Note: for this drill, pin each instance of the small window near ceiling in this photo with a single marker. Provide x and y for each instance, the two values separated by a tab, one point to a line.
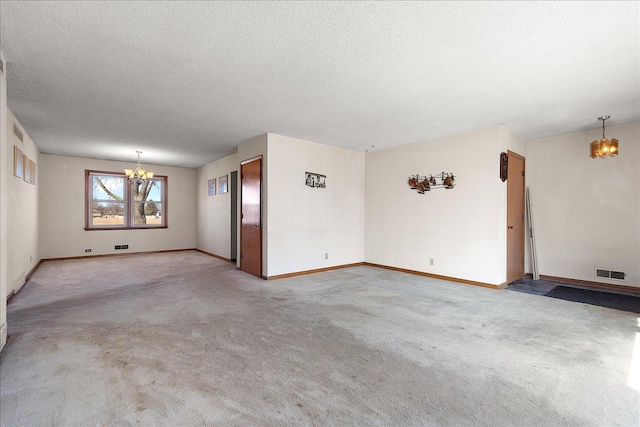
112	203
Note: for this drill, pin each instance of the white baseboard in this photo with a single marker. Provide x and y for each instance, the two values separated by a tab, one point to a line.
3	335
18	283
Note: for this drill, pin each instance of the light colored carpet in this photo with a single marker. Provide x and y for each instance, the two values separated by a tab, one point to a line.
185	339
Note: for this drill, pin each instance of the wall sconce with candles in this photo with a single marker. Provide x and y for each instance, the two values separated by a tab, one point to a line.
422	183
604	148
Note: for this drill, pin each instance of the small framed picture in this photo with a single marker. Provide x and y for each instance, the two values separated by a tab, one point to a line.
18	162
212	187
222	184
27	170
315	180
33	172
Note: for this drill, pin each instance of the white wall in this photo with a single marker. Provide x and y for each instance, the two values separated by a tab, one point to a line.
22	219
62	210
19	226
213	233
247	150
461	228
304	223
586	211
4	177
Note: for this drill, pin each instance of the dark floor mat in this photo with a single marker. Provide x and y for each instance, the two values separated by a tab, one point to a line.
602	299
530	286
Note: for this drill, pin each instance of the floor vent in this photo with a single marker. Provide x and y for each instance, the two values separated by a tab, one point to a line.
17	132
618	275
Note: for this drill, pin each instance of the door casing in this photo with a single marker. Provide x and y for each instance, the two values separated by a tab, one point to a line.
233	189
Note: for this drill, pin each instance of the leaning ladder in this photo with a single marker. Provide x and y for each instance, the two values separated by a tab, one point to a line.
532	238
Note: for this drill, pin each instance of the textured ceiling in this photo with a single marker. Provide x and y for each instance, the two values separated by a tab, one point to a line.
186	82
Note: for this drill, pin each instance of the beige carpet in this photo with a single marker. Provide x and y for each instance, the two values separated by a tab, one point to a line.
185	339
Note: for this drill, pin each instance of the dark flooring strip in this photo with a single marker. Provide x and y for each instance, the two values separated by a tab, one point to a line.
617	301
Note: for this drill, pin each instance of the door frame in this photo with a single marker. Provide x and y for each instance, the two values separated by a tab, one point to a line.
524	231
233	190
242	163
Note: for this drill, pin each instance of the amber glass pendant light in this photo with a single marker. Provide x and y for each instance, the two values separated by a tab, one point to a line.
604	148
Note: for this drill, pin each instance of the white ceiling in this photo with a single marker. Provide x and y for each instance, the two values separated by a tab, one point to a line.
186	82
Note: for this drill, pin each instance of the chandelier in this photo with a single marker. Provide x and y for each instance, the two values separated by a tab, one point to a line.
138	175
604	147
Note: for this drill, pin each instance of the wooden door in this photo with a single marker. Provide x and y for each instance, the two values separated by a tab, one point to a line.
251	227
515	217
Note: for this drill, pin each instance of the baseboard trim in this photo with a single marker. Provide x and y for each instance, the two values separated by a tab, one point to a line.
612	286
111	255
438	276
33	270
3	336
213	255
317	270
26	280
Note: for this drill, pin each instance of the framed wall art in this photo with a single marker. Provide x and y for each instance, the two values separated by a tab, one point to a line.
212	187
315	180
27	169
18	162
32	168
222	184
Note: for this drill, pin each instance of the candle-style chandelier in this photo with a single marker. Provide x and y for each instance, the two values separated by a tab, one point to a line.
138	175
604	148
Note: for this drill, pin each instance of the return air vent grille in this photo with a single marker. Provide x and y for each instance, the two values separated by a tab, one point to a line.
618	275
17	132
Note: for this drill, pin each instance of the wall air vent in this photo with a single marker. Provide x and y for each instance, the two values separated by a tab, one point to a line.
608	274
617	275
17	132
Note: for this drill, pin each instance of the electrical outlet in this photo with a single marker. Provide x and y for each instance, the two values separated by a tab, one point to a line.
326	255
87	250
431	261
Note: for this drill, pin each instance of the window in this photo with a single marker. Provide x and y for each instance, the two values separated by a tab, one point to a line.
114	204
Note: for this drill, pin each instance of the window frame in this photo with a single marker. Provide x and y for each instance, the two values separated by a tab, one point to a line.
129	203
